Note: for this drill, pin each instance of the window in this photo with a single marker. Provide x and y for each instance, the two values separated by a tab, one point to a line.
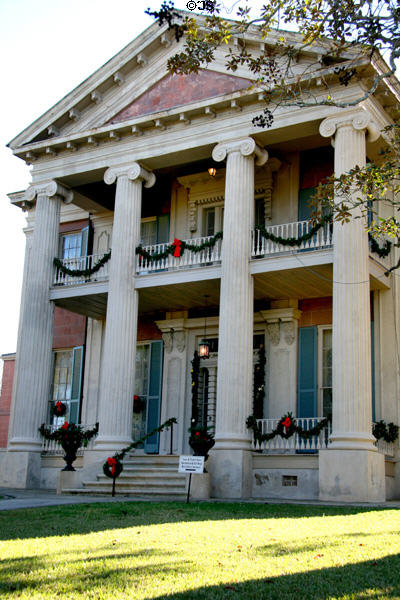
213	220
325	371
67	383
154	230
74	244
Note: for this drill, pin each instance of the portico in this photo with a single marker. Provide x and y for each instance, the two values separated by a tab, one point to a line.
127	173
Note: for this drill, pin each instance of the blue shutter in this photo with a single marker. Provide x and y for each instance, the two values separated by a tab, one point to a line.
154	396
307	373
76	384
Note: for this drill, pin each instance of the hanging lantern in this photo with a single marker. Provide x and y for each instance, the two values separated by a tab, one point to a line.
204	349
212	171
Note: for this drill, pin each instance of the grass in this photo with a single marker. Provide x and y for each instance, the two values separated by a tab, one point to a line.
210	551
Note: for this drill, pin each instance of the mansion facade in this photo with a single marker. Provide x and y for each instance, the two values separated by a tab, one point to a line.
135	157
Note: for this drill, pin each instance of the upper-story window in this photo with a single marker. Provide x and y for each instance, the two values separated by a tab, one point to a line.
213	220
74	244
154	230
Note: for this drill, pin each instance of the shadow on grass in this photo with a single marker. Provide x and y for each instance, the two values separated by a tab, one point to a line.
30	574
371	579
89	518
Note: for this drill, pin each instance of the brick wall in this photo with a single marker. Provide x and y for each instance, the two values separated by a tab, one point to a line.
315	311
147	330
5	399
69	329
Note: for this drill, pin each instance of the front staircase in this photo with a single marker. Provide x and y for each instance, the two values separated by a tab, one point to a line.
146	476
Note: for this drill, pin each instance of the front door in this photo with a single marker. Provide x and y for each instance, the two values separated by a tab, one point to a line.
148	379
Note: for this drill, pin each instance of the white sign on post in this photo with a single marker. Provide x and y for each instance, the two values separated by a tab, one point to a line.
191	464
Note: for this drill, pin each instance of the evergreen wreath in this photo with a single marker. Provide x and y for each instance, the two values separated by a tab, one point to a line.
59	409
286	427
82	272
388	432
177	248
259	384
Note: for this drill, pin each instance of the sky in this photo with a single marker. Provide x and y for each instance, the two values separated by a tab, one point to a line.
47	48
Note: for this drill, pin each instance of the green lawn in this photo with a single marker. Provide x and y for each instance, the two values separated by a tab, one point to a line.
172	550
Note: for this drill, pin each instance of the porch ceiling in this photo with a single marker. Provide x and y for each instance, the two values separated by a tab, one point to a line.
181	296
298	283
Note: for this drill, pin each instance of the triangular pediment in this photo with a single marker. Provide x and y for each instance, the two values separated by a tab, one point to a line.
178	90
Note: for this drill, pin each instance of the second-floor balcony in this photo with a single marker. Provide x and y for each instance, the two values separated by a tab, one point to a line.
207	256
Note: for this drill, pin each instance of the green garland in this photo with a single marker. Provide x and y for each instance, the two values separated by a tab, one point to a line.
170	249
292	241
119	456
69	434
377	249
286	427
195	371
259	384
389	432
81	272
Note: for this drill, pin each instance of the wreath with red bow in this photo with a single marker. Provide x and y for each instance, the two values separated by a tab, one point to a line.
112	468
59	409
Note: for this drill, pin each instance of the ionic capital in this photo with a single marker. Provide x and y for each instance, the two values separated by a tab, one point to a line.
50	189
133	171
246	146
359	119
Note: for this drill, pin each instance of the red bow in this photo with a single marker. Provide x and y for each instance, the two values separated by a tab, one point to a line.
59	406
287	423
177	243
65	426
112	462
136	397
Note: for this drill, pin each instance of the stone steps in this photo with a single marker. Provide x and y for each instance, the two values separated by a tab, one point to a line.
151	476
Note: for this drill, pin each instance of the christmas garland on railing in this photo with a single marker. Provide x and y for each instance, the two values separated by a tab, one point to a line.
286	427
388	432
195	372
177	248
113	466
259	384
294	241
381	251
82	272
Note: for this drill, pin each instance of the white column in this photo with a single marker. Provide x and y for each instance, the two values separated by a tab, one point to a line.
33	371
118	362
351	469
231	458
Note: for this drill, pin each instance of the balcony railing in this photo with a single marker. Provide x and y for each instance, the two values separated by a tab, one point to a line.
189	259
80	264
280	445
264	247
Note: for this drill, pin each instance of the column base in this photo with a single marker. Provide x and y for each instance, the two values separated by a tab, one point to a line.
351	476
231	473
111	445
20	470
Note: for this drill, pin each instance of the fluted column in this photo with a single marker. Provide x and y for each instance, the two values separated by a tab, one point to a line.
118	362
351	344
33	374
235	342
